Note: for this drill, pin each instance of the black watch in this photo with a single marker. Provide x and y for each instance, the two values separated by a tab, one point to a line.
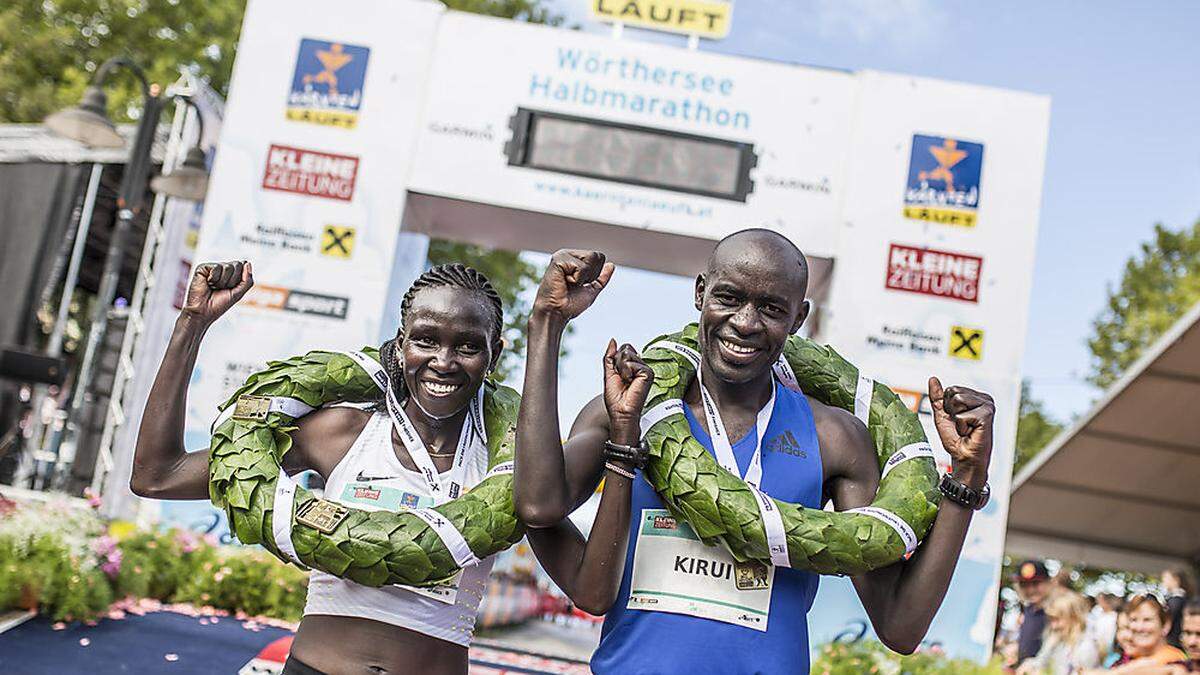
964	495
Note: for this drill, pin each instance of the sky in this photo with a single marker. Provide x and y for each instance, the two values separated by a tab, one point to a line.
1124	146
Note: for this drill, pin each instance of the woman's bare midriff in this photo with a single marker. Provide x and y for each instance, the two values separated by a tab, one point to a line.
343	645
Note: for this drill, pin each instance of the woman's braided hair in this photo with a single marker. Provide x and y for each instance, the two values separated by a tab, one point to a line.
452	275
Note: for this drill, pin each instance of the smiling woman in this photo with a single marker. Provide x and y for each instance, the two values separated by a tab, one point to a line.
413	451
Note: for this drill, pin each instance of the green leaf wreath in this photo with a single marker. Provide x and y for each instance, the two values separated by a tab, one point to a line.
372	548
723	510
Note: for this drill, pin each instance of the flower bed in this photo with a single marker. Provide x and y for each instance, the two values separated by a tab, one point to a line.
70	564
857	658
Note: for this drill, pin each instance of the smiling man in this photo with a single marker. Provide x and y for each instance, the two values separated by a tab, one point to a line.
751	298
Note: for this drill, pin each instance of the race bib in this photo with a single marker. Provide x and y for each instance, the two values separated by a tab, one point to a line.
375	497
673	571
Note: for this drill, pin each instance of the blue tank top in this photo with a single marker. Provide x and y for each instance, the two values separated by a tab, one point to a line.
636	642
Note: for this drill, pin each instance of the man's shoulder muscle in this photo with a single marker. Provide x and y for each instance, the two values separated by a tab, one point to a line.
846	446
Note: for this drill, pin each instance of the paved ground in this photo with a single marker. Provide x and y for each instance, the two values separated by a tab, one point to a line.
183	644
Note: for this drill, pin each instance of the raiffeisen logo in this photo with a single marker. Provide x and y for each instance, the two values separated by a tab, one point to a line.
943	180
327	85
931	272
308	172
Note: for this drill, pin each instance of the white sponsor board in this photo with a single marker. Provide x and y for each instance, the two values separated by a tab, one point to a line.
931	280
315	149
796	121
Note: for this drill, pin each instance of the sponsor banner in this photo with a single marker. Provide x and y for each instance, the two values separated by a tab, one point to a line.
931	272
707	144
935	280
304	183
327	85
943	180
300	302
706	18
310	172
932	341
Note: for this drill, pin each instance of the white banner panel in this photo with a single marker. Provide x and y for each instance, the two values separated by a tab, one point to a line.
932	277
771	138
308	181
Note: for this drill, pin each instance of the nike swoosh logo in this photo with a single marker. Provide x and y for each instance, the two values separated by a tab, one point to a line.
367	479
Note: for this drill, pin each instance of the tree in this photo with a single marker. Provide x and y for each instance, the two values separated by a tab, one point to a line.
49	49
1035	428
1159	285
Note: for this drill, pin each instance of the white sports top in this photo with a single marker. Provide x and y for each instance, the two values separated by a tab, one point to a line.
370	477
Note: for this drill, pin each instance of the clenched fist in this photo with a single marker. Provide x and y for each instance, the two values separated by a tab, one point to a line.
572	281
215	287
964	419
627	381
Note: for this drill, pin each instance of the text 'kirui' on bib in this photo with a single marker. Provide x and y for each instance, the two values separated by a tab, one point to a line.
673	571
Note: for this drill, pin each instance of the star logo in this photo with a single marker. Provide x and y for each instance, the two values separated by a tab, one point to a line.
947	155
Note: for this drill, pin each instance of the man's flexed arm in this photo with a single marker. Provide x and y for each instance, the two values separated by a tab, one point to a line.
902	599
162	468
545	488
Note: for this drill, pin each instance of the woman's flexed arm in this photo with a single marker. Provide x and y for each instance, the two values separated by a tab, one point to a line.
162	468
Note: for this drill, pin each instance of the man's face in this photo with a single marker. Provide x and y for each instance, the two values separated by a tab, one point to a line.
1190	635
1033	592
749	305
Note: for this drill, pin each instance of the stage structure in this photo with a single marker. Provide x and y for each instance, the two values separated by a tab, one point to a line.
351	135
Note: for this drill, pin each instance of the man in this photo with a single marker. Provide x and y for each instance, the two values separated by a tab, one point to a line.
1189	635
751	299
1033	585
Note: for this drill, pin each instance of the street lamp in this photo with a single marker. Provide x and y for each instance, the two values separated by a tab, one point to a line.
89	124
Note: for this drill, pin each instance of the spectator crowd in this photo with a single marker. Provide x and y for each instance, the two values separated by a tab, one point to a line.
1062	632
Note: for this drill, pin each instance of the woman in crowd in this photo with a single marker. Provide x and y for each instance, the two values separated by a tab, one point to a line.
1147	651
449	340
1179	586
1067	648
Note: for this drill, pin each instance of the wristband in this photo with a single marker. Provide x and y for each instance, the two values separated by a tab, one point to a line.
964	495
636	455
620	471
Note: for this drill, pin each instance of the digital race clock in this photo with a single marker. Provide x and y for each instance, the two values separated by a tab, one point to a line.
635	155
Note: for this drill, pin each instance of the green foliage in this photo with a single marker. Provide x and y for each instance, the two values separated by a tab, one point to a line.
858	658
246	580
1159	285
1035	428
511	276
63	562
49	49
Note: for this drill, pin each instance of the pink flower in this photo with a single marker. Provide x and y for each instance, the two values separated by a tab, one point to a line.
93	499
112	563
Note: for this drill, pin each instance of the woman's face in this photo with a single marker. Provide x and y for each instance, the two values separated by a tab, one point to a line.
1147	631
1124	634
446	348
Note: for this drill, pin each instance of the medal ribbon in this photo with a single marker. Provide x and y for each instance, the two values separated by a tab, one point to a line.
723	449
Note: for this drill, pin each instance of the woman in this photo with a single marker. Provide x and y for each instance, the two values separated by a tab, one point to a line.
1147	651
1067	647
449	339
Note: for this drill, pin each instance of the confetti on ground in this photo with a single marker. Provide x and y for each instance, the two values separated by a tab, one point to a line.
171	657
59	626
83	642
